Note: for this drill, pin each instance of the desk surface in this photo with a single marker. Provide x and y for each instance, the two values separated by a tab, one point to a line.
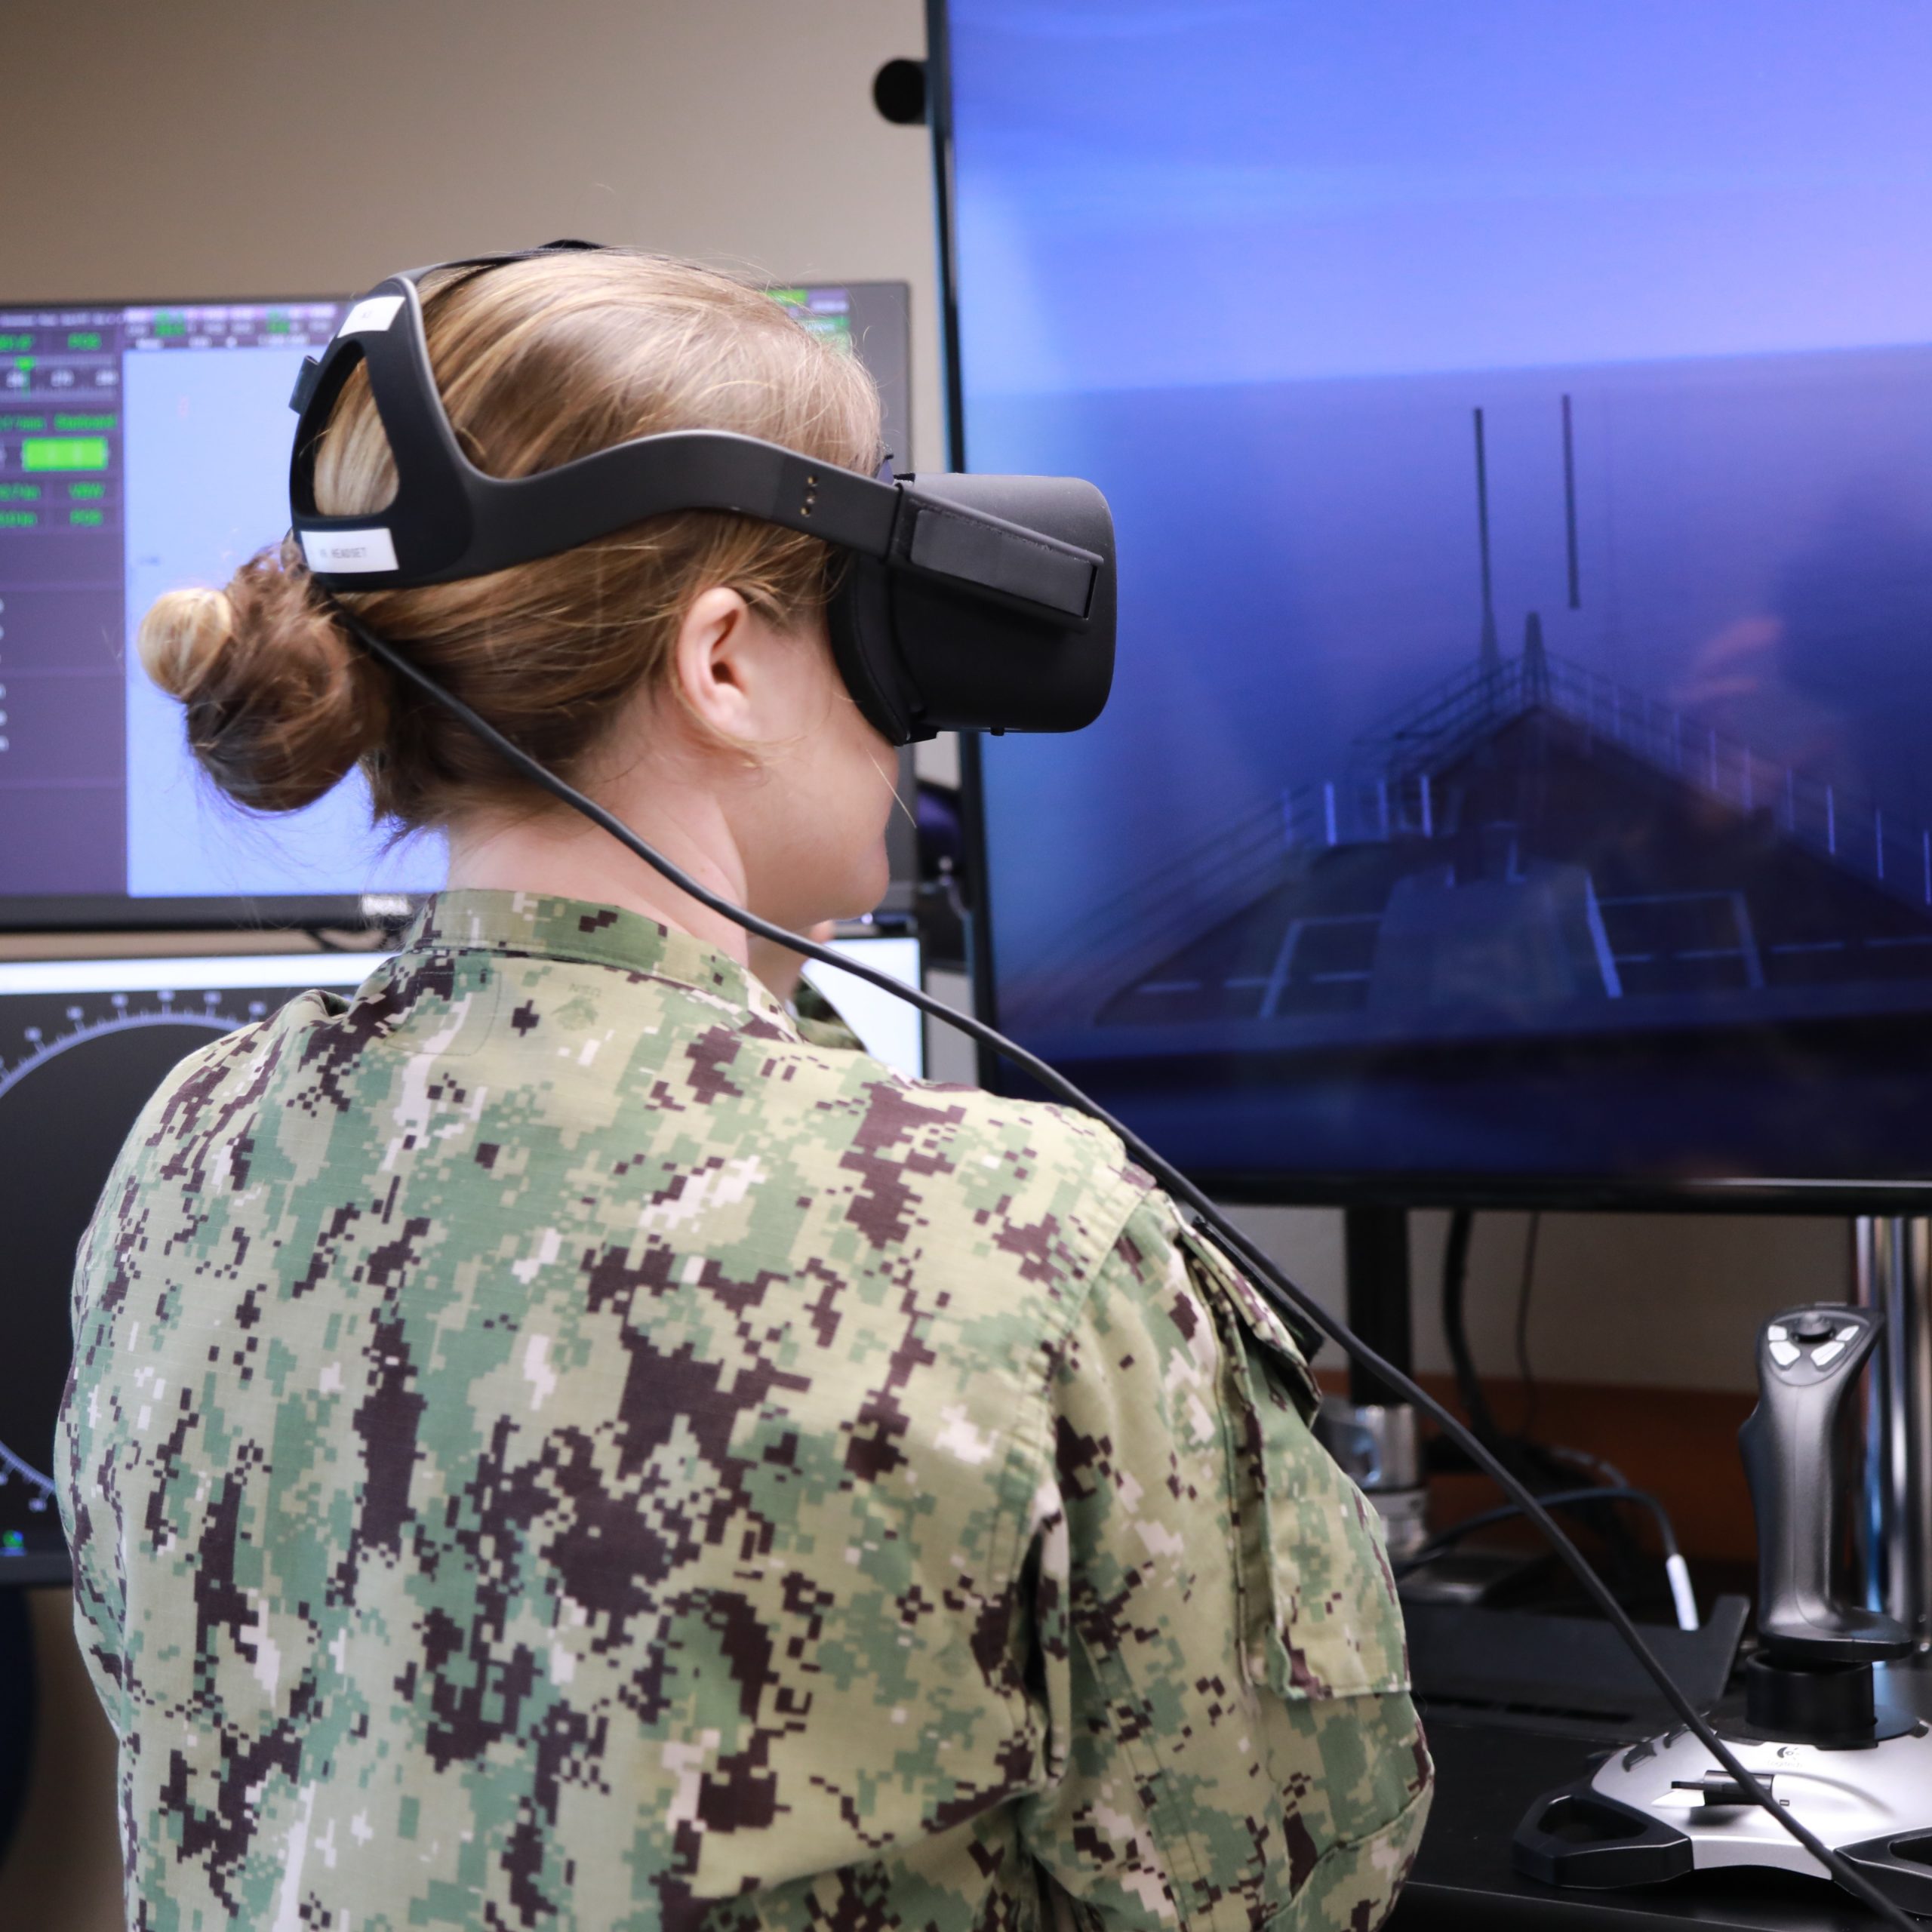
1485	1781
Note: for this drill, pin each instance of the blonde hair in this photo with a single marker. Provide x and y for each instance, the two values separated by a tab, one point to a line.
539	362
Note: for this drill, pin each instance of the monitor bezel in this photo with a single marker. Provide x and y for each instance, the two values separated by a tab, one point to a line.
1415	1188
96	912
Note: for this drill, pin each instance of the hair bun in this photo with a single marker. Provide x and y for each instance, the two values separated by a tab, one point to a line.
280	700
183	635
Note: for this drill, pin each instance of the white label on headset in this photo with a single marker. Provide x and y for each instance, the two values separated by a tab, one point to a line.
344	551
378	312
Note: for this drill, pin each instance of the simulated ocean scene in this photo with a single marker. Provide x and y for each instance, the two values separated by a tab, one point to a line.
1526	576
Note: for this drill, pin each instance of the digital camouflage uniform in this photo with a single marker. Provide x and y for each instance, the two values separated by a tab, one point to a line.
549	1446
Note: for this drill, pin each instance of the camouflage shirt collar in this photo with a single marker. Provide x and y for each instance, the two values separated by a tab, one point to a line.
545	927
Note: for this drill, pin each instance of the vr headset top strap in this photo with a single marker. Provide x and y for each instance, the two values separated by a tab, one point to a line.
448	520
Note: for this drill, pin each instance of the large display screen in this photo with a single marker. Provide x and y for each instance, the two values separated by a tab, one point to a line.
1518	421
143	448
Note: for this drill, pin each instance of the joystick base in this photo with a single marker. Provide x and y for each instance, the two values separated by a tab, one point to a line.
1661	1808
1812	1703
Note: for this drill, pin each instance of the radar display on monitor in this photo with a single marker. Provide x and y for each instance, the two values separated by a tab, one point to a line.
83	1044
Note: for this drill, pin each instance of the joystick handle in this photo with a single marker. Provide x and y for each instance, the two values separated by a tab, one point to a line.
1794	1451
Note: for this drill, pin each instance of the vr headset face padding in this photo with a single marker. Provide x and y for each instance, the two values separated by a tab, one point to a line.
923	651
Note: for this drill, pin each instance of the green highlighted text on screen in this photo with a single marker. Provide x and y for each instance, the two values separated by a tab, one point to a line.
46	452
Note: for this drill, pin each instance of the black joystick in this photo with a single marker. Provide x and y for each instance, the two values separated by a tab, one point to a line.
1813	1676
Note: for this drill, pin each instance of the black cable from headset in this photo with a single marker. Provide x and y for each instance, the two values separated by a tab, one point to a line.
1208	1220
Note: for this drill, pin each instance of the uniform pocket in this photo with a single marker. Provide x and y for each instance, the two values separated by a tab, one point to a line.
1320	1616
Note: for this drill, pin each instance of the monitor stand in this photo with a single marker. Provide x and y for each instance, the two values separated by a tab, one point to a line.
1376	1259
1371	1431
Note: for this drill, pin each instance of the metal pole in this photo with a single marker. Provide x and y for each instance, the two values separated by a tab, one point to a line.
1869	1543
1894	1270
1908	1363
1570	504
1490	651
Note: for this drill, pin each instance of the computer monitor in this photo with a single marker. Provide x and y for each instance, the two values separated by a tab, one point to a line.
144	446
888	1028
83	1044
873	321
1519	422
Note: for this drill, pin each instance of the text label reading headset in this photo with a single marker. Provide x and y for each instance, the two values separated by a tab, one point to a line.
969	603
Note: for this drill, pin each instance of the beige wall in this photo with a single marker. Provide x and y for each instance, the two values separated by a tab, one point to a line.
1649	1300
225	147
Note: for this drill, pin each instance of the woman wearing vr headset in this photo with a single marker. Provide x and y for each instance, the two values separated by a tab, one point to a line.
549	1443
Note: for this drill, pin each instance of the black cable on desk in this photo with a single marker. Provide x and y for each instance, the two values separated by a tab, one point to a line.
1682	1597
1557	1499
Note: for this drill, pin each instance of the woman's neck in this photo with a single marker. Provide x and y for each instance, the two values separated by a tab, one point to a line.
558	853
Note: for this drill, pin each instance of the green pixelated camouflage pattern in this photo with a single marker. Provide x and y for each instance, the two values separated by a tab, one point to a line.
549	1446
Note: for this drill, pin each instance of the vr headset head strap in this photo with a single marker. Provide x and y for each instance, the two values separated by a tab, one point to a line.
448	519
427	524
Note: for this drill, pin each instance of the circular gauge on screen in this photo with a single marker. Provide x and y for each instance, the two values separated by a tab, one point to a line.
84	1045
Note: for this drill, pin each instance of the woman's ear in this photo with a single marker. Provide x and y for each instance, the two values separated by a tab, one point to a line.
712	662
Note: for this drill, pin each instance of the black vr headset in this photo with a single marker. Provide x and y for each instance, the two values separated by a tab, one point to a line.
967	603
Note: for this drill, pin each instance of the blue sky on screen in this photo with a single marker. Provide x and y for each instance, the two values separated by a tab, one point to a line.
1252	268
1241	193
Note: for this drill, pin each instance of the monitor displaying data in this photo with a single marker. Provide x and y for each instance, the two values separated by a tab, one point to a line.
143	447
1519	423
